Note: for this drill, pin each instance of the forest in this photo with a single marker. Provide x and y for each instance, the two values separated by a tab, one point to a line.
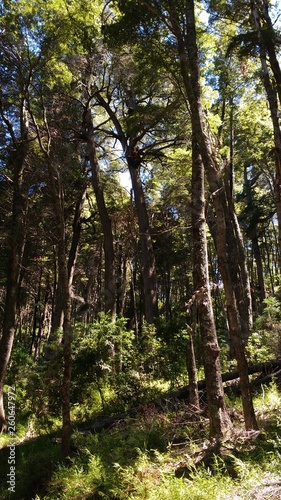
140	249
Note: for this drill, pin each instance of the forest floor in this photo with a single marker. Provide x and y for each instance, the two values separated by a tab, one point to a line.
157	454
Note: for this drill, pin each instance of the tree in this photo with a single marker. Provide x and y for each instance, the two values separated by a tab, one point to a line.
109	278
193	95
227	237
220	424
273	91
137	131
17	67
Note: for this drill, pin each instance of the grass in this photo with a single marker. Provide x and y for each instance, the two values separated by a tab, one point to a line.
160	454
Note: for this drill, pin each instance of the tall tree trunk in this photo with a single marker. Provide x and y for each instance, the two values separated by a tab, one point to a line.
192	372
273	105
57	313
220	424
269	37
237	257
191	359
259	264
189	62
167	287
253	234
16	241
63	278
76	232
132	309
130	149
108	245
36	313
148	258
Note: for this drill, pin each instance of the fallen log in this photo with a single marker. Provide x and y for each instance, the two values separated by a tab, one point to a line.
264	368
107	422
265	371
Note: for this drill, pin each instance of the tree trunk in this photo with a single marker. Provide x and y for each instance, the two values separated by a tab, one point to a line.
57	313
220	424
237	257
130	150
167	285
189	61
36	313
273	105
148	259
191	361
63	279
16	243
236	261
269	37
108	245
259	264
76	233
253	235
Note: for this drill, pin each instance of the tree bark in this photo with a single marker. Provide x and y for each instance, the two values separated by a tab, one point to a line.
253	234
237	258
76	232
269	37
220	424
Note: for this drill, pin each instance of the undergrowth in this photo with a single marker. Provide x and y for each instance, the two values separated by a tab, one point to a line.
162	453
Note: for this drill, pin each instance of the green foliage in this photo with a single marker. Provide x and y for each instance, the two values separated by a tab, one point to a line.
102	352
265	342
272	310
53	60
38	386
157	454
111	363
36	460
258	347
173	337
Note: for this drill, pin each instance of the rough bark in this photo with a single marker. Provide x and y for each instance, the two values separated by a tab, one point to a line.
269	38
57	314
259	264
36	313
108	245
236	253
220	424
253	234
